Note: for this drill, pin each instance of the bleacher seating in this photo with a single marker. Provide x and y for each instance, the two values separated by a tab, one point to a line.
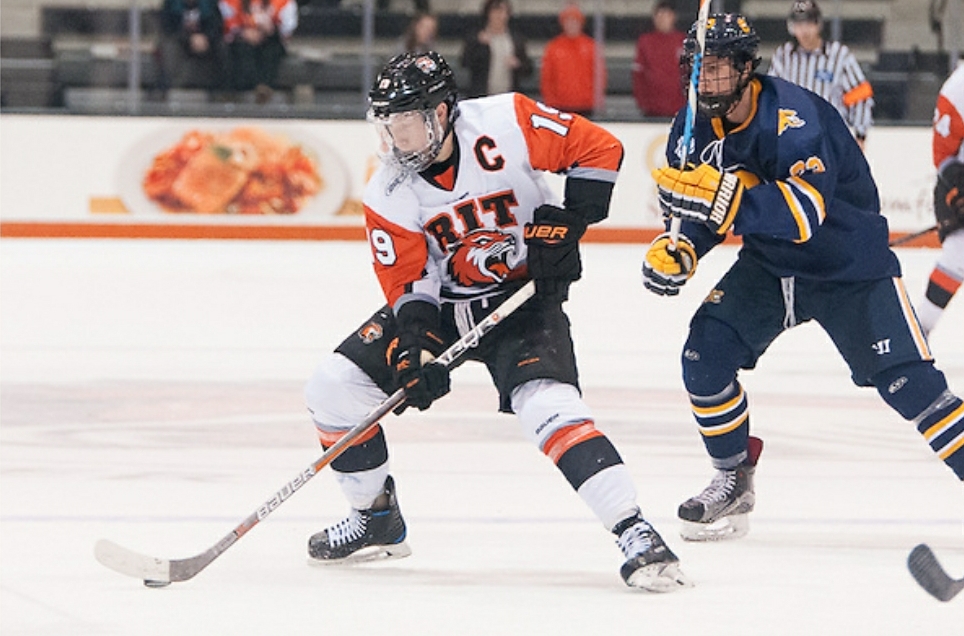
86	48
27	73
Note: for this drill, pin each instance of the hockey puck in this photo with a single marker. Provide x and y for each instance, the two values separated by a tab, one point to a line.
150	583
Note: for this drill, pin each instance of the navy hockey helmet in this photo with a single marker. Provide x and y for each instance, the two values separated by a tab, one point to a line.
731	36
409	89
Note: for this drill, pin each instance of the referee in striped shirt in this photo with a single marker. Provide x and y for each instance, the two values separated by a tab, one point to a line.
827	68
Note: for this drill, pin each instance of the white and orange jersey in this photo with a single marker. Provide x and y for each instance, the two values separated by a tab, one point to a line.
948	140
459	236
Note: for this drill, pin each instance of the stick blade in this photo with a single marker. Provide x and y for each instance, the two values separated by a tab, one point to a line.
925	569
154	572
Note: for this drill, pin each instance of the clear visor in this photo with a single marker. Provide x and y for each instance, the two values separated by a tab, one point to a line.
412	138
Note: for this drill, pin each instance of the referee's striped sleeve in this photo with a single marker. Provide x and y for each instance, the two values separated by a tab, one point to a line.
858	97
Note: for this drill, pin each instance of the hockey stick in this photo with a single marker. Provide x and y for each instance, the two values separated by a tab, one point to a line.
907	238
928	572
691	93
157	572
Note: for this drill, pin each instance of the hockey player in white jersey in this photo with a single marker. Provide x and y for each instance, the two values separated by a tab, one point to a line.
458	217
947	143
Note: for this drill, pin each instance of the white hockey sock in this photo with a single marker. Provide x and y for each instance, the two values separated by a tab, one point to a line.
611	495
362	487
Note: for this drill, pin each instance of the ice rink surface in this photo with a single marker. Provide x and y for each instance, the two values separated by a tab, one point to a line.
151	394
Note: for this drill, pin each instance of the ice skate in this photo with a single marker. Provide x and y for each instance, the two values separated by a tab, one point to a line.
377	533
722	510
650	564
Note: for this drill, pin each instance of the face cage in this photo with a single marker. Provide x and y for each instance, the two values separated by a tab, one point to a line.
412	160
717	105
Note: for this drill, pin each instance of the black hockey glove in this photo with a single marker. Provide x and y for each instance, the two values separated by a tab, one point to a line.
949	198
411	354
666	270
552	244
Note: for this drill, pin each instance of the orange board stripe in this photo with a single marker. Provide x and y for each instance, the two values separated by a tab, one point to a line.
31	229
98	230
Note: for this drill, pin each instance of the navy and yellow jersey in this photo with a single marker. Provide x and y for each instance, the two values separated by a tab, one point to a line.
811	207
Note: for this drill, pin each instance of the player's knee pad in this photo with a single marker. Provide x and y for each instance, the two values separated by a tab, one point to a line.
911	388
545	406
711	357
339	395
556	419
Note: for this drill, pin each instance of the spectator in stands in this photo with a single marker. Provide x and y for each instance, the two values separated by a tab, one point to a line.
829	69
495	56
569	63
189	51
256	33
656	76
420	34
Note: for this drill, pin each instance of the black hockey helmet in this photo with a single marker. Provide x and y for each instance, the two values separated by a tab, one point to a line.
414	82
805	11
728	35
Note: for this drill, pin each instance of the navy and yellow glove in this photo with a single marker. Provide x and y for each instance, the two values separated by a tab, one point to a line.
665	270
702	194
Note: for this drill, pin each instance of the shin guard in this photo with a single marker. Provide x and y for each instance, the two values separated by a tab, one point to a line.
918	391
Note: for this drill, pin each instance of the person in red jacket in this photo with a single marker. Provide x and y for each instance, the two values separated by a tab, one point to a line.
568	79
656	79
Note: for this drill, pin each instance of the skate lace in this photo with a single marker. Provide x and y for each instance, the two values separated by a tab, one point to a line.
719	489
636	539
347	530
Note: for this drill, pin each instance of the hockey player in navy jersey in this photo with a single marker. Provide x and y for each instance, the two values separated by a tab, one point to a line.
454	217
776	165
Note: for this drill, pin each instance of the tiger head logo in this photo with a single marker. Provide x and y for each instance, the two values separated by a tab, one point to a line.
482	258
371	332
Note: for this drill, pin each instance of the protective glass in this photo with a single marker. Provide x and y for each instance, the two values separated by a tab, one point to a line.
411	139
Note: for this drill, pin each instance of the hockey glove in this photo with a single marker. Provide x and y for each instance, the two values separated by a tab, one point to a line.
665	270
702	194
949	198
411	354
552	245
